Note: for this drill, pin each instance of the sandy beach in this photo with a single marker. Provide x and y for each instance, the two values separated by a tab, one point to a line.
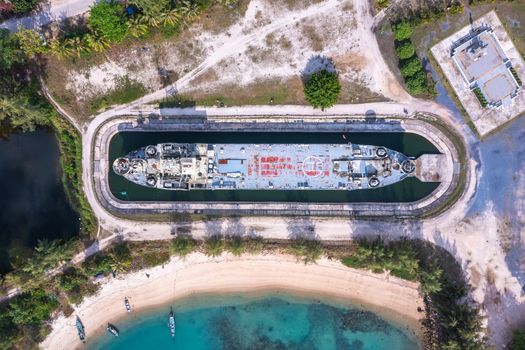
395	299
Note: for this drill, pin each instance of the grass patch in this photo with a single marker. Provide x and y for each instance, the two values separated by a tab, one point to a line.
260	93
126	91
214	246
177	101
183	245
306	250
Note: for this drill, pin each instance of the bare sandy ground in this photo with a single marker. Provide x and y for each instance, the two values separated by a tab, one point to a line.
396	299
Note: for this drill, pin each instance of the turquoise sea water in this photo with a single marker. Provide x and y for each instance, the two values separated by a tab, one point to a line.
272	322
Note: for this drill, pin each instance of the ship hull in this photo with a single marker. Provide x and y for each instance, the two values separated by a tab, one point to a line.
176	166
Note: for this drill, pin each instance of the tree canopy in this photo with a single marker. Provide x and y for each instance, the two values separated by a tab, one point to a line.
23	6
405	50
152	8
402	31
106	18
322	89
10	52
518	341
21	105
411	67
32	308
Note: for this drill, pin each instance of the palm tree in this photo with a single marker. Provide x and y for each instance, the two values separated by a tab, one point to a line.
136	28
96	43
31	42
190	11
171	17
61	49
152	21
78	46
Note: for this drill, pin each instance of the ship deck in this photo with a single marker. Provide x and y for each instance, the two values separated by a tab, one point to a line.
299	166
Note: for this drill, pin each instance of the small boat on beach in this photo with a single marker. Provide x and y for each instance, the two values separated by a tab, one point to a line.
127	304
112	330
80	329
171	322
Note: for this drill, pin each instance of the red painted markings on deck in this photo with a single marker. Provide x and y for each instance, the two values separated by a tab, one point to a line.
273	166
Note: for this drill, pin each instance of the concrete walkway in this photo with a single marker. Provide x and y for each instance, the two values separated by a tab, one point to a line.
56	10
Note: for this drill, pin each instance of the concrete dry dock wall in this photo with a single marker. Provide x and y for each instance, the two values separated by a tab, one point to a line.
421	124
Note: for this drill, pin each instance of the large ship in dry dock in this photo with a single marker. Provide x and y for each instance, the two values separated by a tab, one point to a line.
185	166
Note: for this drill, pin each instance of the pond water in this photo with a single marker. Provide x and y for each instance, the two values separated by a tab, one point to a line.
270	322
33	204
409	190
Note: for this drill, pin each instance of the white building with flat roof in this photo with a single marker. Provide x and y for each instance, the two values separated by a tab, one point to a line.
484	65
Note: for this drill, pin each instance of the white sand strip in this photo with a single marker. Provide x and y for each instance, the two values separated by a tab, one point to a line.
395	299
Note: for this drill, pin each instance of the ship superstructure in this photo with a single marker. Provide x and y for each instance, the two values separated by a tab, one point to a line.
185	166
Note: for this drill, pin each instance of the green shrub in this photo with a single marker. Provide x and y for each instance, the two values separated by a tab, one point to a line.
107	19
411	66
377	256
31	42
405	50
72	279
98	263
214	246
417	84
381	4
402	31
32	308
182	245
481	98
516	76
455	9
169	30
9	334
23	6
155	258
71	162
307	250
254	245
125	91
153	8
121	259
235	245
322	89
518	340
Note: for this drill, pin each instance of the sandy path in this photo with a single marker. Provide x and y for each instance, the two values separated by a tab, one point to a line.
238	42
398	300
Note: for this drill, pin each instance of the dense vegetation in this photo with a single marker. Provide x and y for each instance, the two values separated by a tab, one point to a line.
416	79
110	23
322	89
71	161
23	108
518	341
105	19
451	321
17	7
22	319
21	105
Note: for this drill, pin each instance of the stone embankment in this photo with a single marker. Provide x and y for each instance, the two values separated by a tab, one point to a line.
446	167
